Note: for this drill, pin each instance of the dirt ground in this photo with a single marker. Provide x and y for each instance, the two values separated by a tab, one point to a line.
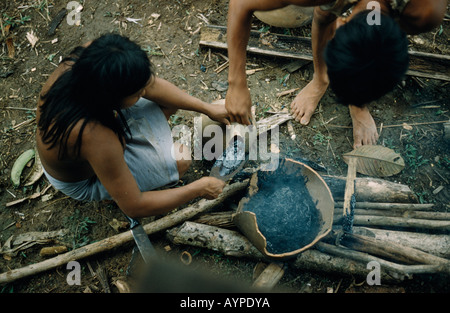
169	32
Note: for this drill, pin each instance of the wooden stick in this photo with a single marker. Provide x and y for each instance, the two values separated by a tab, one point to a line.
369	189
399	222
443	216
219	219
317	261
347	221
120	239
271	275
394	251
390	206
428	65
227	242
395	270
435	244
328	258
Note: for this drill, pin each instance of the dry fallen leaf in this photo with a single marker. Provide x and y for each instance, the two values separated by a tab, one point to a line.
375	160
32	38
11	49
406	126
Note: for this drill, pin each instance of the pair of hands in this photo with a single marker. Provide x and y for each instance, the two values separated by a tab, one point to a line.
232	111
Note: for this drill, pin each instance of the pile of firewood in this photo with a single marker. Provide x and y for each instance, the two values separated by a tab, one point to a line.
390	227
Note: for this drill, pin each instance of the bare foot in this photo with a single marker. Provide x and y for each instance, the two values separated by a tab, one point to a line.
364	128
304	105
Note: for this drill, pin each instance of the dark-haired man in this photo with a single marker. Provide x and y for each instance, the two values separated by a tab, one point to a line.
411	16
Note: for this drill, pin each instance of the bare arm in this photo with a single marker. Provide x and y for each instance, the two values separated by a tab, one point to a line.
104	152
238	100
170	96
323	29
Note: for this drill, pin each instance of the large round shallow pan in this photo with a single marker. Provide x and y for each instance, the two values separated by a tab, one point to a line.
291	16
282	179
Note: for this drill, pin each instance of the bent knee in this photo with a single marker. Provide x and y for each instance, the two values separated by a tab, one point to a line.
430	15
183	166
183	158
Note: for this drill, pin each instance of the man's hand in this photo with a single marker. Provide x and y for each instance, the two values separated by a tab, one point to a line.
238	104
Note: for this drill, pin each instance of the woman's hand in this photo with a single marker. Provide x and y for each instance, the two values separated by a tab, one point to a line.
211	187
218	113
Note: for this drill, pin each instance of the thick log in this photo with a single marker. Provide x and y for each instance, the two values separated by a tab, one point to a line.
394	251
227	242
438	245
223	239
120	239
317	261
329	258
371	190
396	271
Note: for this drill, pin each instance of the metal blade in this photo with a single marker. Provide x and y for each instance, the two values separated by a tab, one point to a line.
231	162
142	242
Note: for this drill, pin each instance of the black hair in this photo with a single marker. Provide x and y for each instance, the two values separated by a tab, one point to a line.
366	61
110	69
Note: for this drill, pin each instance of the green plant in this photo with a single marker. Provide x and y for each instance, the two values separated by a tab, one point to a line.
151	51
264	29
320	138
412	159
7	289
14	20
79	229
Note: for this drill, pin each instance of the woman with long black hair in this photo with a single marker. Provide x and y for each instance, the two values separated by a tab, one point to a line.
103	131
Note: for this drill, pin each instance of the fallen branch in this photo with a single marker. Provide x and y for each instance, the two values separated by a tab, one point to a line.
31	197
390	206
317	261
220	219
399	222
371	190
271	275
421	64
120	239
439	216
435	244
227	242
396	271
394	251
327	258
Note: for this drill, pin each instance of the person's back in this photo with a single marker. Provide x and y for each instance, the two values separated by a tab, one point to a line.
87	93
103	132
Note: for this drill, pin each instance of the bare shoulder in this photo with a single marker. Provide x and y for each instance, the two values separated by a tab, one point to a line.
61	69
96	138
